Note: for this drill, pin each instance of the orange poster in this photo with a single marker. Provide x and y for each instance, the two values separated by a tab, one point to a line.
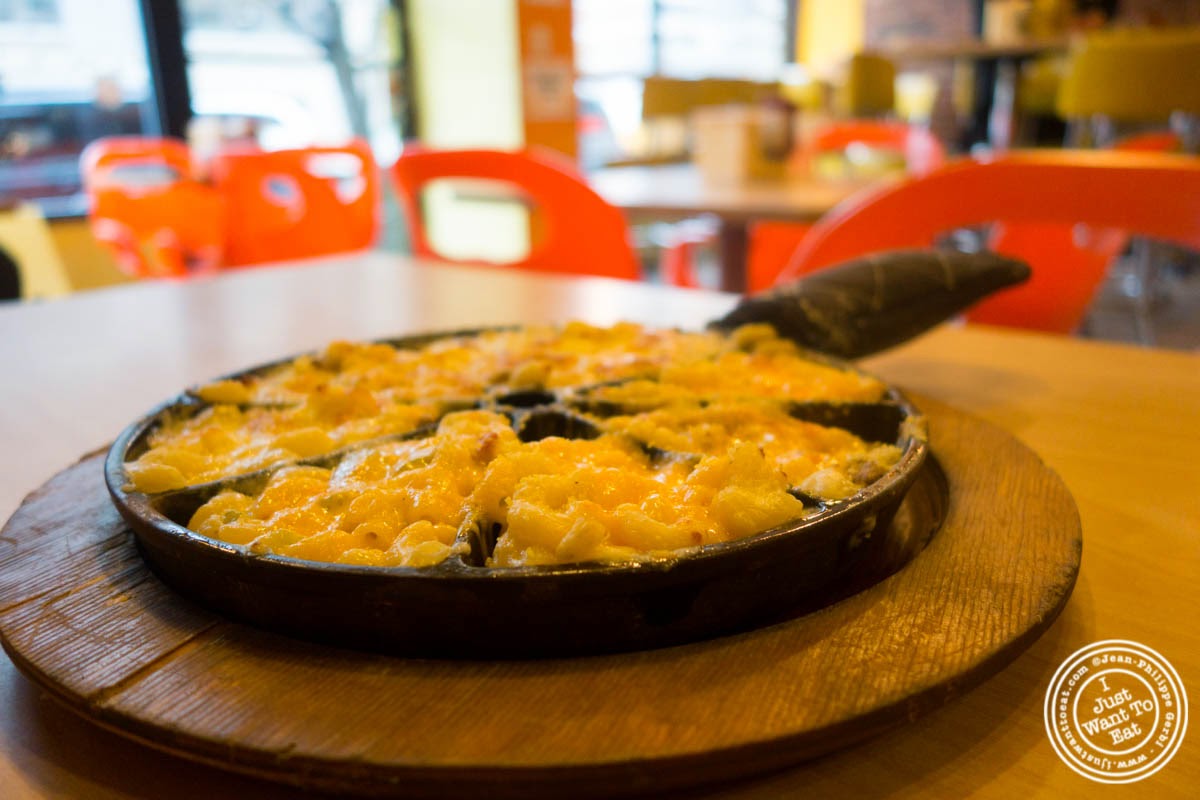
547	74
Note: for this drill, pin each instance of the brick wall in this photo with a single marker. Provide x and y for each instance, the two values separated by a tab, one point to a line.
890	23
1159	12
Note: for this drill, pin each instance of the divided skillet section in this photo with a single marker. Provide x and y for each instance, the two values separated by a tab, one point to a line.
464	608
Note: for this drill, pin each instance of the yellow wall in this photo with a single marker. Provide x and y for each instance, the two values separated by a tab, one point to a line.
466	67
828	32
467	75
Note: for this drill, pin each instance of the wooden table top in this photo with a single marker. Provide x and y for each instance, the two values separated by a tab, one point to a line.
679	190
1119	424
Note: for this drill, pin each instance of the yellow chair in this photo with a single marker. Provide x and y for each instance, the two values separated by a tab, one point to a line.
1129	77
807	93
25	239
1124	81
869	87
669	103
1040	83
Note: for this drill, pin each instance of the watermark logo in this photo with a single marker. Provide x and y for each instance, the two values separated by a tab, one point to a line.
1116	711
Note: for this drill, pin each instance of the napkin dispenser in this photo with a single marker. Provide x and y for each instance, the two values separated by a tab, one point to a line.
736	143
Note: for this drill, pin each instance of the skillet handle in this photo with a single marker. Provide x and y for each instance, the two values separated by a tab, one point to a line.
870	304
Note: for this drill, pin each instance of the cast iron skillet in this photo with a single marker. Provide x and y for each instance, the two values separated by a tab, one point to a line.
463	608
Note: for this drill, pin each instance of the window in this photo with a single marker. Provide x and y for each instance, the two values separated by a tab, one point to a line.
70	72
291	73
618	43
29	11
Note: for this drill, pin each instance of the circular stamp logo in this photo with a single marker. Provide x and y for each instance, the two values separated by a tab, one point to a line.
1116	711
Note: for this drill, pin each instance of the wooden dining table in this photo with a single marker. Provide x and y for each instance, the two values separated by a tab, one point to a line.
1120	425
669	192
997	66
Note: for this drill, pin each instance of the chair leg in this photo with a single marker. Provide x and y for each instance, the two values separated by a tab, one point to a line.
677	268
1143	285
1187	127
680	252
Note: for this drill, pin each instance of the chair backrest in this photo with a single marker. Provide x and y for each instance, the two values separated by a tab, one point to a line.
1133	75
1082	252
1152	194
772	243
868	88
146	205
922	150
135	160
581	233
1151	142
287	204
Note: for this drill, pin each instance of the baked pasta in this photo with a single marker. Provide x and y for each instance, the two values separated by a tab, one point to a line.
551	445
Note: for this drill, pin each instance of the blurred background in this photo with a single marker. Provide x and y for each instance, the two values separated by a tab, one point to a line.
606	83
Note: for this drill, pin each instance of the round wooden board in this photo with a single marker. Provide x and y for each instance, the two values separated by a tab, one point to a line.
81	615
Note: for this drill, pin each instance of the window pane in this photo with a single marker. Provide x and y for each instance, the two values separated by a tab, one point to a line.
291	73
70	71
613	37
618	43
722	40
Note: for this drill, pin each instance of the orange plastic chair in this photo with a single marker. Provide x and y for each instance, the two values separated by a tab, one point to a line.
581	233
288	204
1080	249
681	249
771	244
147	152
1152	142
1152	194
920	149
146	207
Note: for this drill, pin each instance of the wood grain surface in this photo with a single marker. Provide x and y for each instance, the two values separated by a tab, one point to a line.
82	616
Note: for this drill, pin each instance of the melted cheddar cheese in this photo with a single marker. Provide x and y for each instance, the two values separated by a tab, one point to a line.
828	463
398	504
696	446
225	440
555	500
